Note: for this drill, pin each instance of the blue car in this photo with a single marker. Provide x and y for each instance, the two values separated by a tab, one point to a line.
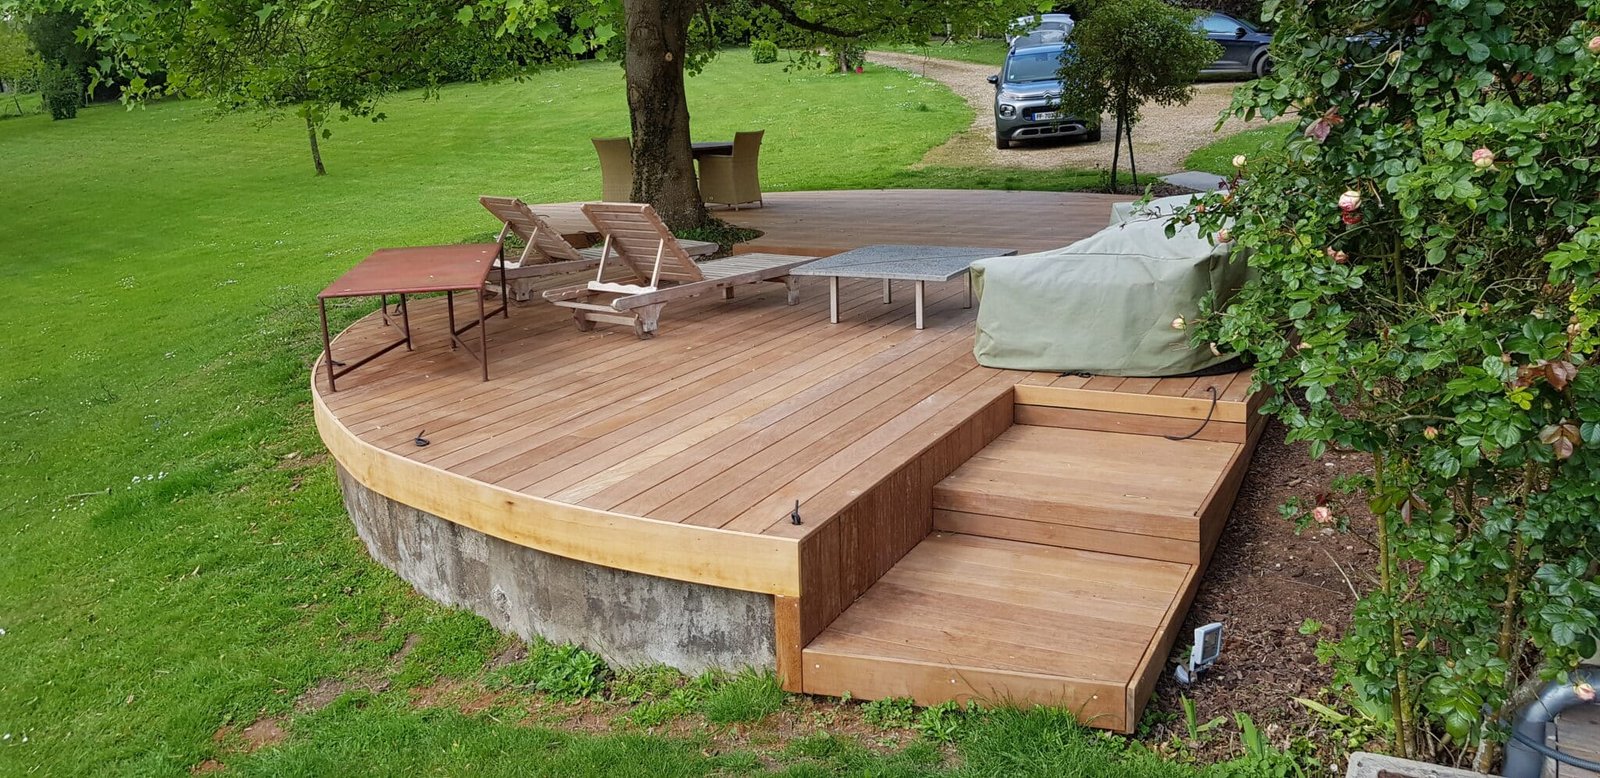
1244	46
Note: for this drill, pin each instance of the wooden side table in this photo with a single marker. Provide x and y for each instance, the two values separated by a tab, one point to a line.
417	270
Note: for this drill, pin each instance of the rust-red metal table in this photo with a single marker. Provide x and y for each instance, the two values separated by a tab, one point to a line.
416	270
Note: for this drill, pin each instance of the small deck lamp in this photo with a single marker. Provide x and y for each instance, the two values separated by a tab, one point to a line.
1207	647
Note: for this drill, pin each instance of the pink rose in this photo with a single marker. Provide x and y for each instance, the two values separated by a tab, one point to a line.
1482	159
1351	217
1594	45
1350	200
1323	514
1224	235
1179	323
1584	691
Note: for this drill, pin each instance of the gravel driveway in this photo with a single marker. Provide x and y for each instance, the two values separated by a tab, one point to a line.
1161	141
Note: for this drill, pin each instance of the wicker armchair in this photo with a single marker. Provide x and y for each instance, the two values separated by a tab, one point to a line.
616	169
733	179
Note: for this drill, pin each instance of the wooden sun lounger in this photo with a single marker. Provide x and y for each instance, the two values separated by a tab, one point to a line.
546	252
658	271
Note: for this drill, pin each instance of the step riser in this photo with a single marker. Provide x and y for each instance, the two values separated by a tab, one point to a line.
1067	536
1129	423
1102	705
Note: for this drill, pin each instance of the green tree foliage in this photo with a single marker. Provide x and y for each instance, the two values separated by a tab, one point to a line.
1426	254
1126	53
19	67
317	60
65	61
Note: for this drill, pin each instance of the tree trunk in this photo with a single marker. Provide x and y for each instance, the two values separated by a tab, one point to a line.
1116	153
663	162
1133	167
316	151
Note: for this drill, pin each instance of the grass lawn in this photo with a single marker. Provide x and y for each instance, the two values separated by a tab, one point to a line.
987	51
177	568
15	104
1217	156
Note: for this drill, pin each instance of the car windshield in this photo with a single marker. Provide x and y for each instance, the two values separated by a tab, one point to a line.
1031	66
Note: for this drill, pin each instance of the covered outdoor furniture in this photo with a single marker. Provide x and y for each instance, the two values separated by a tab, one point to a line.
416	270
734	179
1110	304
616	168
546	252
657	271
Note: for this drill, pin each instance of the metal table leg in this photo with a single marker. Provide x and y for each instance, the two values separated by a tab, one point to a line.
833	299
887	296
919	304
969	289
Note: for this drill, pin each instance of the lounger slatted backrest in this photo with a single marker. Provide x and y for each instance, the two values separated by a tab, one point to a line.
544	244
636	237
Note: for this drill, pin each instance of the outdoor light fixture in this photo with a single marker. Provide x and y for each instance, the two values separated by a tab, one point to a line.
1207	647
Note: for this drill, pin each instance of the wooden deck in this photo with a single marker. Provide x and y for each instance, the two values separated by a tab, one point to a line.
685	457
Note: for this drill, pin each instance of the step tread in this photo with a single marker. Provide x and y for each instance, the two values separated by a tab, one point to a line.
1084	476
984	604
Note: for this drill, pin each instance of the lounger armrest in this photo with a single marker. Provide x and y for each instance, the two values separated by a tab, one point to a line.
567	293
615	288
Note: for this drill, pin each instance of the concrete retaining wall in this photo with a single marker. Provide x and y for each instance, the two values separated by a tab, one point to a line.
628	618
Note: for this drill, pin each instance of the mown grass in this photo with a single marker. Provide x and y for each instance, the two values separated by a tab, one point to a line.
1217	156
16	104
176	562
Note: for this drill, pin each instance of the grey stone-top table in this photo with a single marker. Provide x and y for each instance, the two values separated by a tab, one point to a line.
894	262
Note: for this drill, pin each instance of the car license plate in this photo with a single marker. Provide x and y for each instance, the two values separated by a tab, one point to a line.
1044	116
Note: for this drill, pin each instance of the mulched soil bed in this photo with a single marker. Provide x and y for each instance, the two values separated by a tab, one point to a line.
1264	582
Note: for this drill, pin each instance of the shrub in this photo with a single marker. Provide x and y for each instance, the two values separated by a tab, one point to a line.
61	90
1426	257
763	52
1126	53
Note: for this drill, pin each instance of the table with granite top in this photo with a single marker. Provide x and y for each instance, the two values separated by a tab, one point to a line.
895	262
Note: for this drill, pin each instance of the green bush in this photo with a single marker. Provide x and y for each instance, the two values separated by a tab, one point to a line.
61	89
763	52
1426	290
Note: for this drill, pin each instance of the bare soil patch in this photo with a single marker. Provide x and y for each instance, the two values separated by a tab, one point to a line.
1264	582
1162	140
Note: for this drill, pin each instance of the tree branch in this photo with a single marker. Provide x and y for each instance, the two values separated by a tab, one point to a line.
794	19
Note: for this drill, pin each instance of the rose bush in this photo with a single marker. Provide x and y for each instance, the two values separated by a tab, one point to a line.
1425	252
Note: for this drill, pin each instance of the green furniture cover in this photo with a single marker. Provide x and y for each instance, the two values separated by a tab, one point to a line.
1106	304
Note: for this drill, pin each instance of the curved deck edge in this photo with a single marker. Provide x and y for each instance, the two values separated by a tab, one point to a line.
683	552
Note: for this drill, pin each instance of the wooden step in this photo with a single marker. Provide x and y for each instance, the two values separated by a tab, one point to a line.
1123	493
969	618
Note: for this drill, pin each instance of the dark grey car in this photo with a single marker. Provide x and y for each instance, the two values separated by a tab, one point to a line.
1027	95
1244	47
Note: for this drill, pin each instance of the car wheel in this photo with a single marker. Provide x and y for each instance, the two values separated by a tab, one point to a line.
1000	142
1263	66
1092	136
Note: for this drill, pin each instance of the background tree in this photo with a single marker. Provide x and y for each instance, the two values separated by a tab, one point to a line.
19	67
64	60
1126	53
316	60
1426	253
659	45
